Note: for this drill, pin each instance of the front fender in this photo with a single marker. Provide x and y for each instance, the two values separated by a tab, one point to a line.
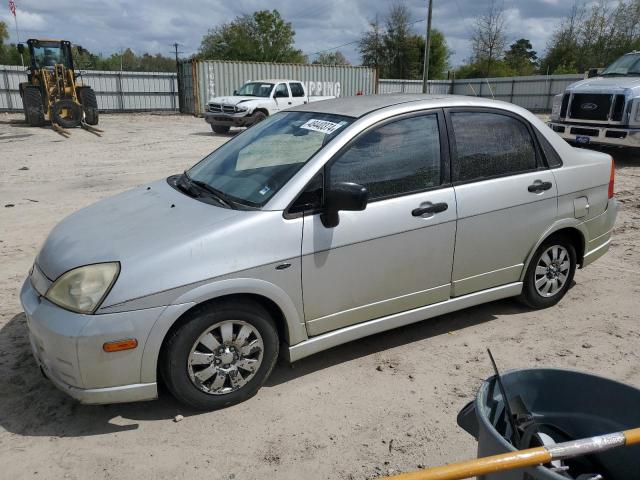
295	328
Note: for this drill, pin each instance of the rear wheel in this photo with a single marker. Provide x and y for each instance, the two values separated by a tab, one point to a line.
87	98
221	355
34	110
220	128
550	273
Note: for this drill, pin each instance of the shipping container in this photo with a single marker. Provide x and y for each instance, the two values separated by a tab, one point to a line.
201	80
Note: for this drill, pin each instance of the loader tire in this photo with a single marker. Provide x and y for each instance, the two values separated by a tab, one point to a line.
74	112
34	110
89	103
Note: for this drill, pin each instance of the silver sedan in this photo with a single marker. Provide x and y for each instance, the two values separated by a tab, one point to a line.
321	225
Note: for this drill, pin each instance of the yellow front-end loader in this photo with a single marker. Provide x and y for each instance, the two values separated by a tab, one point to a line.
52	92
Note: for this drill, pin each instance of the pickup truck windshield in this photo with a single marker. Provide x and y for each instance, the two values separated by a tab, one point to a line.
255	89
252	167
626	65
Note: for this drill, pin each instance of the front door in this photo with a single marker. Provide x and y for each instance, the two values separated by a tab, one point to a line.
507	197
397	254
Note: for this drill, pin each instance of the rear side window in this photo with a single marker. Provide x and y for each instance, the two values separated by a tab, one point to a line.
296	90
397	158
553	159
490	145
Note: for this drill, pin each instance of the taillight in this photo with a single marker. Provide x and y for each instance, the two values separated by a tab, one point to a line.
612	178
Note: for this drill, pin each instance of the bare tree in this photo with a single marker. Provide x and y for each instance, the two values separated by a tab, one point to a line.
489	40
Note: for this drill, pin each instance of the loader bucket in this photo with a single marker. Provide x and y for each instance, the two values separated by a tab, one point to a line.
554	406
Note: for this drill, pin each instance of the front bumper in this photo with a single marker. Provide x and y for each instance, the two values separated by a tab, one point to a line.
228	120
68	348
614	135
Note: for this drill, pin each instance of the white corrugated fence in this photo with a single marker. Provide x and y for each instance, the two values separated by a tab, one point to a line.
115	91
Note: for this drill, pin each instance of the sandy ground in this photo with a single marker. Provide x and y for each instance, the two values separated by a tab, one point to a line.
383	404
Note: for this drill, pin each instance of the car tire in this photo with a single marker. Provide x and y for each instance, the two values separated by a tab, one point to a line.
550	273
89	103
220	129
221	355
34	109
258	117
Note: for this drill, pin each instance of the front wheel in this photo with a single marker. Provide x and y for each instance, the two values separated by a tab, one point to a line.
221	355
550	273
220	129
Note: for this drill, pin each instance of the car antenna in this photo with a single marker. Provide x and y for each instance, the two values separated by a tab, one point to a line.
507	406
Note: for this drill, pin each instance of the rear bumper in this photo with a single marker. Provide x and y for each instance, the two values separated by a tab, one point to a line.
228	120
68	348
618	136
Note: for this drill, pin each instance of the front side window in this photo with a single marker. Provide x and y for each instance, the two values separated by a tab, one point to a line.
296	90
489	145
254	165
281	91
396	158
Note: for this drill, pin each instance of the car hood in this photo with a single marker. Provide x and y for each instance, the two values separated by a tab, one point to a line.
164	239
233	100
620	85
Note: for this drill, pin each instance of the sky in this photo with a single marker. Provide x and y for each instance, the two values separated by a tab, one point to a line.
106	26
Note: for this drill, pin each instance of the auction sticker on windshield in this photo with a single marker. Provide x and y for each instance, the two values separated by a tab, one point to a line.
322	126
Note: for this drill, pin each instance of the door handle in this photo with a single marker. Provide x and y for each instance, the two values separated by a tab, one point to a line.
429	208
539	187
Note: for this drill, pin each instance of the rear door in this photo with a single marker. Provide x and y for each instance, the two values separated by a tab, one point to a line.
297	94
281	96
506	196
396	255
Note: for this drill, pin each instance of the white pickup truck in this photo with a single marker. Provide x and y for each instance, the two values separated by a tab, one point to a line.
602	109
254	102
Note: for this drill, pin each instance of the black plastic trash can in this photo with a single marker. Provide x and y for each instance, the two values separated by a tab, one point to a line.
564	405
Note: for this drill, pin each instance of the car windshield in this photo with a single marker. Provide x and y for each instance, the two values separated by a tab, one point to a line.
48	55
255	89
626	65
252	167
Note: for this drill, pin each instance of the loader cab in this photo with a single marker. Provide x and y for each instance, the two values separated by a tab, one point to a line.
49	53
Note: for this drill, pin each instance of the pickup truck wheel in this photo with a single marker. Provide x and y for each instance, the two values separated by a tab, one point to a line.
220	128
258	117
221	355
550	273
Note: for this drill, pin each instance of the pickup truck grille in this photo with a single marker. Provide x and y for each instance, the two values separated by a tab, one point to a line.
219	108
595	107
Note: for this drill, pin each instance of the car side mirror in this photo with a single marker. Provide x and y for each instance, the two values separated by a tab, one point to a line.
343	196
593	72
235	92
20	48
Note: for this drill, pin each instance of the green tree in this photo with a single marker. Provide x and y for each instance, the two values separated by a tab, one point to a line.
488	39
593	36
263	36
372	48
331	58
4	36
398	53
521	58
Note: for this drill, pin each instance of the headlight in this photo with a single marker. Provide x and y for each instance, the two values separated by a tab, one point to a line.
637	105
557	106
241	108
83	289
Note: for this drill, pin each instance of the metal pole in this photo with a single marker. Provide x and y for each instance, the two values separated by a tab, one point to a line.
427	47
15	19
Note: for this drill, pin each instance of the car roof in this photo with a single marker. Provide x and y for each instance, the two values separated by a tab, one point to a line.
360	105
272	80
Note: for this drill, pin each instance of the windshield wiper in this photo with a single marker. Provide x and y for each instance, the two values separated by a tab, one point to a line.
220	197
